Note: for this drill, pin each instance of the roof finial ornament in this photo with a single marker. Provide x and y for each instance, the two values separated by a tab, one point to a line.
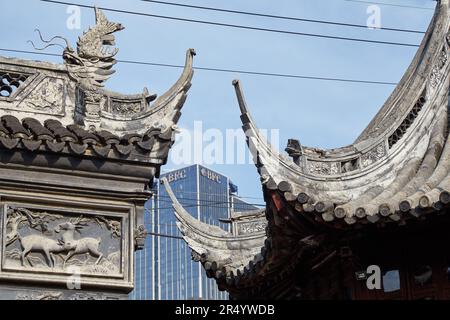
294	149
91	64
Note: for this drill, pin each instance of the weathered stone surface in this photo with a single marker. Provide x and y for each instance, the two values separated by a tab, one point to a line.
400	164
76	165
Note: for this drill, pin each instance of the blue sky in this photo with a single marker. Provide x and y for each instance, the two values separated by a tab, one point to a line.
319	113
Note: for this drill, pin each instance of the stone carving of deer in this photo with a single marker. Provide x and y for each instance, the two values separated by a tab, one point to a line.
48	246
78	246
32	243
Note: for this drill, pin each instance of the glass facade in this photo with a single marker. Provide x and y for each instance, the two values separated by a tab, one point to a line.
164	269
239	205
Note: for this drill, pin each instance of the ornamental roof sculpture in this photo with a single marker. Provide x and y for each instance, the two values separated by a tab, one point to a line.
64	107
76	165
396	171
91	65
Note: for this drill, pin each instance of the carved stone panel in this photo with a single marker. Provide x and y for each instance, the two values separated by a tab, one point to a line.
251	227
125	109
8	292
40	240
373	155
322	168
62	295
46	295
46	97
437	73
53	243
40	94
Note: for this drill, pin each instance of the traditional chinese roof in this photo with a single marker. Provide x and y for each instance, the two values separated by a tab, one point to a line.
215	247
398	170
51	136
397	166
65	109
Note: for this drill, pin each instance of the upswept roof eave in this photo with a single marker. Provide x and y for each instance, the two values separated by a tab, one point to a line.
352	185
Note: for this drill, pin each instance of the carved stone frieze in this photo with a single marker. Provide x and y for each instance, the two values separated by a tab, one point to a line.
46	295
48	96
322	167
33	93
437	74
61	242
125	109
373	155
251	227
76	161
24	294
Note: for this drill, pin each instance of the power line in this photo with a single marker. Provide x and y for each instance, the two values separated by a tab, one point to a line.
211	204
163	235
201	206
279	75
206	201
171	225
215	205
31	52
390	4
315	35
264	15
214	194
201	193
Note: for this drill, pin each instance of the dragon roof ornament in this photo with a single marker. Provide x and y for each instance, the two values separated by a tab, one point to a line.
69	102
74	93
91	64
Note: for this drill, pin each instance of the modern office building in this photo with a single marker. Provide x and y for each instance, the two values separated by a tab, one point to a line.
164	269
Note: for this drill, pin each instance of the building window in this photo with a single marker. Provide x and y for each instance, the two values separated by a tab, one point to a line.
391	281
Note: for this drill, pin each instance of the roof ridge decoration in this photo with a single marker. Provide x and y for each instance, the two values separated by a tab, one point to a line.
74	93
64	108
91	64
381	169
83	157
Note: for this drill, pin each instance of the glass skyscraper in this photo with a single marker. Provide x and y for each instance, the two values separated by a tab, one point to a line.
164	268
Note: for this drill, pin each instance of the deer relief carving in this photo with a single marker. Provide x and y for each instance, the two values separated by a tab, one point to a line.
67	243
34	242
73	246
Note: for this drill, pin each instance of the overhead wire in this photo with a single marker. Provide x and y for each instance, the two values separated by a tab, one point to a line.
390	4
281	75
237	26
280	17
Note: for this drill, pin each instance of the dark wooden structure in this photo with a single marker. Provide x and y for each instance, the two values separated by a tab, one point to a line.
335	217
